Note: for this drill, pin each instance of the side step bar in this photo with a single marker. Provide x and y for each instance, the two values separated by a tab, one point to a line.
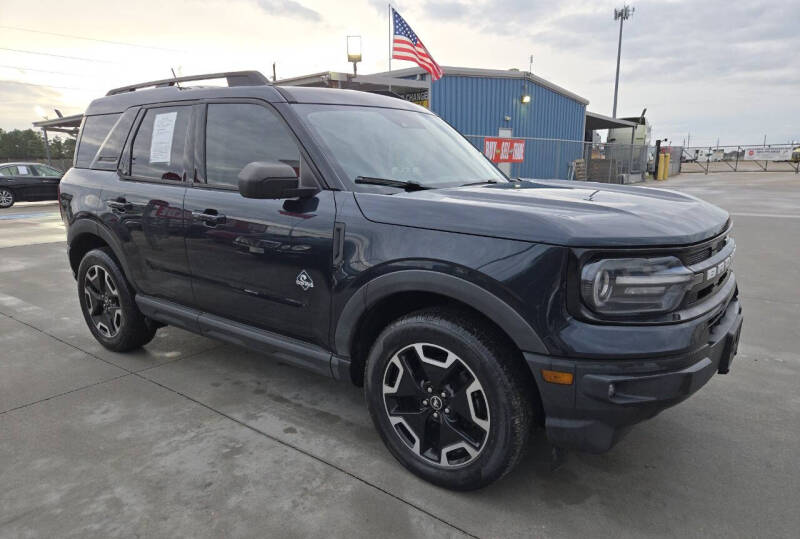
292	351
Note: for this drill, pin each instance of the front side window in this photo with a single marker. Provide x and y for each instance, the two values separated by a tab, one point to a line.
240	133
158	149
396	144
93	133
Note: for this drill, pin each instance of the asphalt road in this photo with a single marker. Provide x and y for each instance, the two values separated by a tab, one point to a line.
192	438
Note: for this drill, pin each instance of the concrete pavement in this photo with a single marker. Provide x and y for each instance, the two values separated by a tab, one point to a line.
190	437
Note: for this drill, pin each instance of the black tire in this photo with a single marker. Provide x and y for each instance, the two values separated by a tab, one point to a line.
109	307
7	198
493	419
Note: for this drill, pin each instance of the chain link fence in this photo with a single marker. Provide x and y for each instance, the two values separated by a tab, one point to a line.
741	158
547	158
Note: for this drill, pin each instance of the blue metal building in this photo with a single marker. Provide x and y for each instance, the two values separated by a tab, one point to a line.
484	102
488	103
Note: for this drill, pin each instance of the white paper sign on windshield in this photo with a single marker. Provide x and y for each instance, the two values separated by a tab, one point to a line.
161	141
22	169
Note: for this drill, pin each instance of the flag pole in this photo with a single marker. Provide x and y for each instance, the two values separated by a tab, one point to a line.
391	33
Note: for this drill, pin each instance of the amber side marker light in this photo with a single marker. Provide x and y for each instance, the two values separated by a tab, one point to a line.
557	377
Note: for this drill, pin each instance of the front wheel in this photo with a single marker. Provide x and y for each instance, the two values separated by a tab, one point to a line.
6	198
450	399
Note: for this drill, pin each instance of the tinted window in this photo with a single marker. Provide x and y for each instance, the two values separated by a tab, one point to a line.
6	171
93	133
158	148
108	155
49	172
238	134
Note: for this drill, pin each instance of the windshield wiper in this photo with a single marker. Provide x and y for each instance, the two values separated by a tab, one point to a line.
482	182
408	186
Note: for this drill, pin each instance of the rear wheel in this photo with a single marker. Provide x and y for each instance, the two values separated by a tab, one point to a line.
449	398
108	304
6	198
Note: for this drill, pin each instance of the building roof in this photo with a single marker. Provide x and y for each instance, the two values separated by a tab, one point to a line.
367	83
495	73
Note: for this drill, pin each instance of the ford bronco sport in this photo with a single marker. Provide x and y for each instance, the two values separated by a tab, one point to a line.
359	236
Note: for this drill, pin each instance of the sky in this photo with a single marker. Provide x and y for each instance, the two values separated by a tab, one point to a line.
708	70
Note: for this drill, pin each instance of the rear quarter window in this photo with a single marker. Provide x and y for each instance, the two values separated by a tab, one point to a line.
107	157
94	131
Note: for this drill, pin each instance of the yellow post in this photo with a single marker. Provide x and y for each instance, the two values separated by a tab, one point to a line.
666	165
660	172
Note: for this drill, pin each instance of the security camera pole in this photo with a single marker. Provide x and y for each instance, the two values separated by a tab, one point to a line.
623	15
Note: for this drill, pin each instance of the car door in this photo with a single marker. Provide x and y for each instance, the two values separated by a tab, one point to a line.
48	179
20	180
144	206
266	263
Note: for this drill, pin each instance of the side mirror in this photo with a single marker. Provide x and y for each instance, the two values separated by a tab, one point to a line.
265	179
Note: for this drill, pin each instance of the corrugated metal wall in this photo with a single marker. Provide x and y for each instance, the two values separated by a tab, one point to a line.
477	107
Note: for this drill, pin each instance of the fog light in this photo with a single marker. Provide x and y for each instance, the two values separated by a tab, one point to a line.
557	377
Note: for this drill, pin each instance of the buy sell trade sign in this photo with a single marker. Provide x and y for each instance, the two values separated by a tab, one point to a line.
504	150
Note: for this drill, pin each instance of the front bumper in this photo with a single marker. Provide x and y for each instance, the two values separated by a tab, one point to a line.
608	396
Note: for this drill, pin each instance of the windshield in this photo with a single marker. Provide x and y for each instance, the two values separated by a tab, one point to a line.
402	145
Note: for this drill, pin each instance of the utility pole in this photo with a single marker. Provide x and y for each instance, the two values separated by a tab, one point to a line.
622	15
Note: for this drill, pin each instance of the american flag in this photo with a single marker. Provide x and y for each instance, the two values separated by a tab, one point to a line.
407	46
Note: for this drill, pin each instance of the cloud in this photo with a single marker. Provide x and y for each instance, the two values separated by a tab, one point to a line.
447	10
19	100
676	42
289	8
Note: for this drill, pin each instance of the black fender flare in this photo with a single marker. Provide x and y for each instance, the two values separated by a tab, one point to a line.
480	299
80	227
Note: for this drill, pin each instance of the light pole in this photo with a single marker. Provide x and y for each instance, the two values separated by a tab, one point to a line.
623	15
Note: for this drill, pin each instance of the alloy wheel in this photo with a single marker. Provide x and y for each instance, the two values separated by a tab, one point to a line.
6	198
102	301
436	404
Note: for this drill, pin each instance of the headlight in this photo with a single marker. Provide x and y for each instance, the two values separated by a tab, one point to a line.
620	286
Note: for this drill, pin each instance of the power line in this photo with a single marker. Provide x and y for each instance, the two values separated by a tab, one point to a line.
91	39
23	68
45	85
57	55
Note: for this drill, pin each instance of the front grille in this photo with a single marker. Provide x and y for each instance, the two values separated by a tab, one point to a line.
699	254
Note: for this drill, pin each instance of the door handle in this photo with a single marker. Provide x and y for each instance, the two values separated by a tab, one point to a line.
209	217
119	204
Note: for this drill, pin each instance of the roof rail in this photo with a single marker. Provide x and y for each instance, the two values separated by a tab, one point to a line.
234	78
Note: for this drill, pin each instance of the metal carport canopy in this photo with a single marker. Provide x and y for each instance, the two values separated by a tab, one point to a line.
595	121
67	124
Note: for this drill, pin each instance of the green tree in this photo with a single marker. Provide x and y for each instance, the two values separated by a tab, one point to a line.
29	144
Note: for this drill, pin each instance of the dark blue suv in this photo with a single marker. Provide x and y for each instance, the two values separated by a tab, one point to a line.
359	236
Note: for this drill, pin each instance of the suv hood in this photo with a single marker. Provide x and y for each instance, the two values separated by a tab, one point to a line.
580	214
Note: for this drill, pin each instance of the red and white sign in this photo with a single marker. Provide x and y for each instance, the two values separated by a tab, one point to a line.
780	153
504	150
